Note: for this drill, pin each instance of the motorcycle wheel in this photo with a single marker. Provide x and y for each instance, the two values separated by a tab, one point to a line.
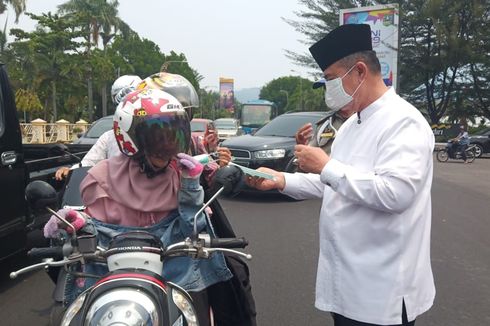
470	156
442	155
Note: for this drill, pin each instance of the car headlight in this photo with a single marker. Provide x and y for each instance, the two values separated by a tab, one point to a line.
270	154
185	306
73	309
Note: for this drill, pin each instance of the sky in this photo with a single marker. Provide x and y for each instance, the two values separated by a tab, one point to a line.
240	39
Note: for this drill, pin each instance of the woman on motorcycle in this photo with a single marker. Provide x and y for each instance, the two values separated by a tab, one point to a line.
186	94
152	187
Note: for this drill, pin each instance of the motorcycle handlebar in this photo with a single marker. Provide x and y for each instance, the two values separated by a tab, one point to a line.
49	252
228	243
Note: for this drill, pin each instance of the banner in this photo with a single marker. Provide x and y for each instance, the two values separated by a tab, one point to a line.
226	97
384	21
445	130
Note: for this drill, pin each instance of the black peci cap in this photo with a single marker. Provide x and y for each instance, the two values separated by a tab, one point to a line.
341	42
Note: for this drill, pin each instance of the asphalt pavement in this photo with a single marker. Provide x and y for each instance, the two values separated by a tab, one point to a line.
283	236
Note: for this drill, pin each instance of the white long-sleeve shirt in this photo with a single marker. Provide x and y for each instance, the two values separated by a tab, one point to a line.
105	147
375	219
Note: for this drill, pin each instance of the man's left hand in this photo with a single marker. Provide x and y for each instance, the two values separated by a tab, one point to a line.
311	159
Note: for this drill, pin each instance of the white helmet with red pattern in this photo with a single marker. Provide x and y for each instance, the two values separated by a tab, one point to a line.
151	122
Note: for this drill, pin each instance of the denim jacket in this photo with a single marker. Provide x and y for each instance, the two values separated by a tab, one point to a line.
191	274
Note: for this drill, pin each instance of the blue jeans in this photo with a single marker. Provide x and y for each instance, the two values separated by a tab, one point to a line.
191	274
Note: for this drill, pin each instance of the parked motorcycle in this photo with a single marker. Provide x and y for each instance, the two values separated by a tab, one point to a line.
133	291
446	153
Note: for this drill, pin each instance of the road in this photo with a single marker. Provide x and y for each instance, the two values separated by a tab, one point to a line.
284	244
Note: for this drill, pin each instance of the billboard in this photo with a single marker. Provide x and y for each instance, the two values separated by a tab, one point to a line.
384	21
226	96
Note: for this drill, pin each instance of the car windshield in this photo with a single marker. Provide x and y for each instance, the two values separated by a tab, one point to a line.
99	127
224	125
286	125
198	126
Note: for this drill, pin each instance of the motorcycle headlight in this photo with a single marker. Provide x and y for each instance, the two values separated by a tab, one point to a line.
270	154
124	306
73	309
185	306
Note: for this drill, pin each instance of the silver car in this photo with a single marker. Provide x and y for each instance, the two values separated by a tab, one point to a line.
95	131
227	128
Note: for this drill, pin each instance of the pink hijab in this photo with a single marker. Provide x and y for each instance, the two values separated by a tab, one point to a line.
115	191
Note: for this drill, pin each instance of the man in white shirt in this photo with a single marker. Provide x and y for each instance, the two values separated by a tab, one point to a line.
374	262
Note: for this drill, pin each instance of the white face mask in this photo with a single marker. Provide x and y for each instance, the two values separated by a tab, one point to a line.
335	96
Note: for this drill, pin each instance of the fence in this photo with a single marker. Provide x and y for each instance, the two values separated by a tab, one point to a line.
41	132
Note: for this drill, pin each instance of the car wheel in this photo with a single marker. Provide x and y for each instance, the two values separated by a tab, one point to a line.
478	150
442	155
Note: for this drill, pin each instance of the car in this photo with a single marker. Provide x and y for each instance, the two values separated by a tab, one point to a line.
95	131
481	140
201	127
227	128
272	145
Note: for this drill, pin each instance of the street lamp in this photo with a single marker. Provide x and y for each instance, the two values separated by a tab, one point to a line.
287	98
166	64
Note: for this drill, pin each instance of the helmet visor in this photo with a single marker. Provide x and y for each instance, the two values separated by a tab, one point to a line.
164	135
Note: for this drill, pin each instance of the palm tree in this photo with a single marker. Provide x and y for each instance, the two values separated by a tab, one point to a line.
101	24
18	5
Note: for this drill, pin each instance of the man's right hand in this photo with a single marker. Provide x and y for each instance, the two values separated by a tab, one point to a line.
304	134
61	173
279	182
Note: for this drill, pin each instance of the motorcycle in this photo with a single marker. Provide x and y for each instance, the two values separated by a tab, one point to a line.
133	291
444	154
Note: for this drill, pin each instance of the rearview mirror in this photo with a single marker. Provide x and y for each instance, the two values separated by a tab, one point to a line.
40	194
229	178
58	149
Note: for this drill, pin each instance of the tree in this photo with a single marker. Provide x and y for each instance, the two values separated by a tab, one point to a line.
50	48
100	23
438	37
177	64
27	100
133	55
293	93
18	5
208	104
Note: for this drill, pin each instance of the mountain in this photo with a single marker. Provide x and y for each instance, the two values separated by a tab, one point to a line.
247	94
